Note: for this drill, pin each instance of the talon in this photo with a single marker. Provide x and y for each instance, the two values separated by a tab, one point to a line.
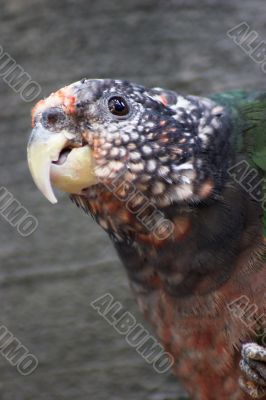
253	390
253	365
251	373
253	351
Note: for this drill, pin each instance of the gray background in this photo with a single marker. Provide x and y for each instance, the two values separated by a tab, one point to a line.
48	279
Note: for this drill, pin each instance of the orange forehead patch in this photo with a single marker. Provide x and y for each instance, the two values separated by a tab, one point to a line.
62	98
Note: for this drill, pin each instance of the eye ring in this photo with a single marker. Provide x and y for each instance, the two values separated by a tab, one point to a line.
118	106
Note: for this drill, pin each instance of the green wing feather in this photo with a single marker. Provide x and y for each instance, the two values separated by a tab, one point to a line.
248	111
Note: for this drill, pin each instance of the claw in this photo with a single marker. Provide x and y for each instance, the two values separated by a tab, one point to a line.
253	351
251	389
253	365
250	370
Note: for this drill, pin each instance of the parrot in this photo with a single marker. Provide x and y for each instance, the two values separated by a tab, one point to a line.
178	183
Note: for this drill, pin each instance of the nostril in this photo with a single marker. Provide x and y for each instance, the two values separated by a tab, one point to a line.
52	117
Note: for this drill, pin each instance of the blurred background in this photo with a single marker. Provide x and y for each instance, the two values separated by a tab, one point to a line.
49	278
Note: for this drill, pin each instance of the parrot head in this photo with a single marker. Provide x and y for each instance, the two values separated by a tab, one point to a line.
94	131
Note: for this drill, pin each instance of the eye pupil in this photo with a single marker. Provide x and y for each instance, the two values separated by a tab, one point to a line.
118	106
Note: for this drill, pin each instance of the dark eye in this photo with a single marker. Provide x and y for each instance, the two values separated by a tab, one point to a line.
118	106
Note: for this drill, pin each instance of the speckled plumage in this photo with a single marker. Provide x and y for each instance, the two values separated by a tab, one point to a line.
167	160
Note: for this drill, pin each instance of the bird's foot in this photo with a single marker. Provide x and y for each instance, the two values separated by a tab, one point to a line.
253	366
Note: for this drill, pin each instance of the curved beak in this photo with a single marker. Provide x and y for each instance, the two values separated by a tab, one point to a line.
43	148
70	173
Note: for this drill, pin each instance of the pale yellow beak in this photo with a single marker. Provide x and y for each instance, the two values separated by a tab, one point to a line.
72	174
